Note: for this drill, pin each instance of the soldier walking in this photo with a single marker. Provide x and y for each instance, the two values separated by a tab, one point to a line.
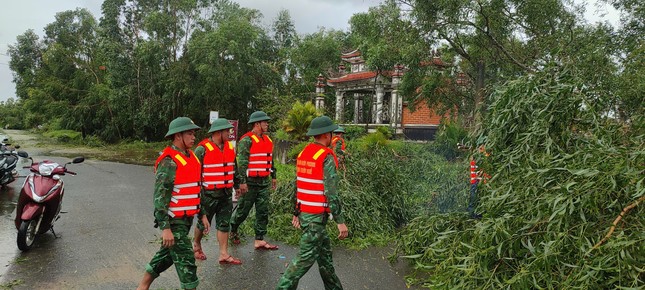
217	156
256	174
176	202
316	197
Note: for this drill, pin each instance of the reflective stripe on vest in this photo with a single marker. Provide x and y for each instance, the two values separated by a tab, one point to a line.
260	155
185	194
176	199
310	184
474	174
218	170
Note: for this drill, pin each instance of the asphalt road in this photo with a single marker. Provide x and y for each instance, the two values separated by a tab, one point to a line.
107	237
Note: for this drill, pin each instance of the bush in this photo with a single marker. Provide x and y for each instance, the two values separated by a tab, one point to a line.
298	119
387	131
296	149
450	134
354	132
280	134
64	135
561	173
383	187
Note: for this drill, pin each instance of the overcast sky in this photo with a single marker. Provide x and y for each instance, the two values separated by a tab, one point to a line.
308	15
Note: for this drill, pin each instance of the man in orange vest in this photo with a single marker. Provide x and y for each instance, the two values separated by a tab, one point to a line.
256	174
217	155
338	144
476	176
176	201
316	200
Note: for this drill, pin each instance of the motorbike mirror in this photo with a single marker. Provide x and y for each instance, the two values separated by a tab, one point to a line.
78	159
17	146
5	140
23	154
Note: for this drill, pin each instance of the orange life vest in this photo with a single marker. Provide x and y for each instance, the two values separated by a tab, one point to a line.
217	170
260	155
474	174
477	175
185	194
310	185
335	140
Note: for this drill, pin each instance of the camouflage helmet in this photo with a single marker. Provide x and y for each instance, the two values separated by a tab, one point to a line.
258	116
220	124
340	130
179	125
321	125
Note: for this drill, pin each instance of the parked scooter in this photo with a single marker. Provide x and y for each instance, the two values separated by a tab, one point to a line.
8	161
40	201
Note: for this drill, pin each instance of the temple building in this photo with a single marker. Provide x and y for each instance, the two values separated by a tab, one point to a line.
371	99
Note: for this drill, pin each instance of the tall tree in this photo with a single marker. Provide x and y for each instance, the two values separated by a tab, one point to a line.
26	58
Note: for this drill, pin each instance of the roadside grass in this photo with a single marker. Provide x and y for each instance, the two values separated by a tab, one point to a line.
11	284
59	142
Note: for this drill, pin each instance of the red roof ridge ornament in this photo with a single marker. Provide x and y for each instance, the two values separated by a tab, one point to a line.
353	53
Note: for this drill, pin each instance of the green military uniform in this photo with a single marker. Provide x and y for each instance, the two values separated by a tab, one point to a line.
258	193
338	149
181	254
315	244
216	203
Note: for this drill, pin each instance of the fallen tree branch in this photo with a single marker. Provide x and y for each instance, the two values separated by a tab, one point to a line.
615	223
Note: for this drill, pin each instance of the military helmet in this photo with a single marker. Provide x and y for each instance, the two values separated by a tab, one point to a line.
321	125
258	116
340	130
179	125
220	124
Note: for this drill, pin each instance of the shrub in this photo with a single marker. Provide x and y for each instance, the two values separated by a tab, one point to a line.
387	131
449	135
354	132
561	173
64	135
382	188
298	119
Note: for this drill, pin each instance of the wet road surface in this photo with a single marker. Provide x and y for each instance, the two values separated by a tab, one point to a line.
107	237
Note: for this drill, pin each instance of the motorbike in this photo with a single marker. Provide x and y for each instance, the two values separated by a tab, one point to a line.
8	162
40	200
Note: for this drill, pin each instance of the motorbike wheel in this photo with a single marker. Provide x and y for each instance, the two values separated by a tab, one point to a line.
27	234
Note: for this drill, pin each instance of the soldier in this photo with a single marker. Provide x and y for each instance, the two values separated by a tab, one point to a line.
176	201
338	145
217	155
255	164
316	197
476	176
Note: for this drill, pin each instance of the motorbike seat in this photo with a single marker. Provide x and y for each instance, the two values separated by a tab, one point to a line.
11	159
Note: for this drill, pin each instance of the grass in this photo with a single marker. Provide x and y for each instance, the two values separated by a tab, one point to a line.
11	284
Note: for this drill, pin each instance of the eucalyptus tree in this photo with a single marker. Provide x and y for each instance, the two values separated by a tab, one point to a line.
68	71
230	62
285	38
25	63
632	48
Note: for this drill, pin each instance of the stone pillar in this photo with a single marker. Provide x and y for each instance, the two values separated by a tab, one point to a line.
394	108
340	106
380	92
320	93
396	100
358	108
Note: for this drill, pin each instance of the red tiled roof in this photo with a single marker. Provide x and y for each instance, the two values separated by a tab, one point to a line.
353	77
